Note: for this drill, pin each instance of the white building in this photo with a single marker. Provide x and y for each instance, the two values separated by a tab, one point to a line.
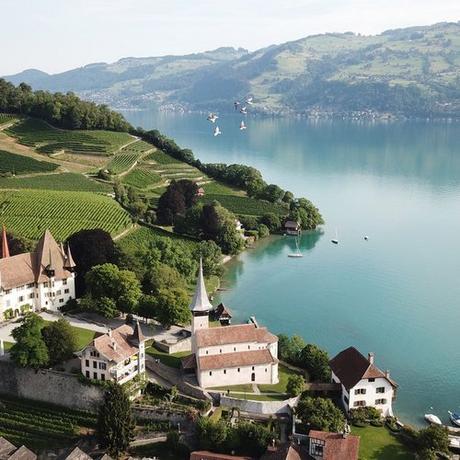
118	355
363	383
229	355
43	279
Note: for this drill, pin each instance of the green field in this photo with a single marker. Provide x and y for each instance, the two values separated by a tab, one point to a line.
28	213
46	139
64	181
141	177
161	158
19	164
380	444
40	426
128	156
245	205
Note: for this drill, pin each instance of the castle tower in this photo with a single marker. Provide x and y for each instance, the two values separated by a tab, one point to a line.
5	249
200	306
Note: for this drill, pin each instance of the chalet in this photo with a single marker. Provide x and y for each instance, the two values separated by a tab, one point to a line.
117	356
229	355
291	227
222	314
332	446
35	280
363	383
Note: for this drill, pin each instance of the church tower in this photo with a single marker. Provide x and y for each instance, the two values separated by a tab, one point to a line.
200	307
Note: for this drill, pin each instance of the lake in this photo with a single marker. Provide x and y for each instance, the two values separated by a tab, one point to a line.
397	294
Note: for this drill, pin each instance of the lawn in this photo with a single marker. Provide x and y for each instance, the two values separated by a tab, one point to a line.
172	360
380	444
83	336
42	426
284	373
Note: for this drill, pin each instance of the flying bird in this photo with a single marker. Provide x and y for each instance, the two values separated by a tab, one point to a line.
249	100
242	126
244	110
236	104
212	117
217	131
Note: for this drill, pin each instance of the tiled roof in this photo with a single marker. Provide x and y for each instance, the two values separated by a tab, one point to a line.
222	310
237	359
23	454
206	455
241	333
116	347
77	454
17	270
350	366
6	448
336	447
286	451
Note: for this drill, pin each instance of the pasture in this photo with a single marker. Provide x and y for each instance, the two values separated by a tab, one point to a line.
29	212
19	164
49	140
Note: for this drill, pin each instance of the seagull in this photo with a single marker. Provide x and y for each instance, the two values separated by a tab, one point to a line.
217	131
243	110
212	117
236	104
242	126
366	237
249	100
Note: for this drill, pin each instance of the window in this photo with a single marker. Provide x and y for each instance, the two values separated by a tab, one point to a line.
210	372
95	375
31	296
371	380
249	347
359	404
206	351
102	376
58	292
7	291
21	298
380	401
316	447
102	366
87	374
238	369
225	371
64	282
95	364
360	391
266	370
31	285
95	354
66	291
87	362
61	300
380	390
46	284
220	351
234	348
252	367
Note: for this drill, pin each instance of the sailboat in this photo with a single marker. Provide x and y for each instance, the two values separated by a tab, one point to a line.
336	239
297	253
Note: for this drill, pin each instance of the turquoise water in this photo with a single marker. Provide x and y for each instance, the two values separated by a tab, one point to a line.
397	294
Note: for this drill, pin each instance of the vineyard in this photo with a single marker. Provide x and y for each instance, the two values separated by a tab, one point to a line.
142	177
29	213
46	139
128	156
19	164
40	426
64	181
162	158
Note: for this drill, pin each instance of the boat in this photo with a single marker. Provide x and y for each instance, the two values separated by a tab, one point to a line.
298	253
434	419
336	239
454	417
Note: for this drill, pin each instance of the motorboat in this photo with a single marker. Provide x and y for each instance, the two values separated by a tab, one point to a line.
454	418
433	419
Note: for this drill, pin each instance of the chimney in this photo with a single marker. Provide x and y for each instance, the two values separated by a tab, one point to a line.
387	374
370	358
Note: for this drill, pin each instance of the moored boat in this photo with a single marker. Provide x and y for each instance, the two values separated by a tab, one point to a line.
454	418
434	419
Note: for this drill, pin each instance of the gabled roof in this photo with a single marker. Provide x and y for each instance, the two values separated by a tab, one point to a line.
336	446
77	454
23	453
222	310
350	366
237	359
287	451
200	301
240	333
6	448
69	263
49	255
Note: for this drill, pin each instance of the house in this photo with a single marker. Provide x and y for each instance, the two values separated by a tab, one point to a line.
118	355
35	280
200	192
206	455
363	383
230	355
9	451
291	227
287	451
332	446
222	314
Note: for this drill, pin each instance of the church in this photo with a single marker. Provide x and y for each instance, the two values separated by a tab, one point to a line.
32	281
229	355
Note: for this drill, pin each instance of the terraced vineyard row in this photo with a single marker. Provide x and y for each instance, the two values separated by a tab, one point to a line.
142	177
46	139
20	164
29	213
64	181
38	425
128	156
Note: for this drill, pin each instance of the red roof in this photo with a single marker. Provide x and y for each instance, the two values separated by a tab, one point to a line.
237	359
336	446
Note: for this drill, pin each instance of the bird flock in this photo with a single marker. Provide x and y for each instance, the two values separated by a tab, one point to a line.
241	107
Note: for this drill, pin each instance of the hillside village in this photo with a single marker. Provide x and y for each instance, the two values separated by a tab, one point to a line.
110	343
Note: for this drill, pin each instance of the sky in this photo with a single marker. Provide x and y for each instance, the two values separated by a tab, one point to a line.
57	35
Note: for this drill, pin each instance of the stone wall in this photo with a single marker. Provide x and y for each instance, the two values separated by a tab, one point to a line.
260	407
175	347
49	386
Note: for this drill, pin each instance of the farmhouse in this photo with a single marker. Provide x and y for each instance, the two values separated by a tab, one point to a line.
229	355
118	355
363	384
35	280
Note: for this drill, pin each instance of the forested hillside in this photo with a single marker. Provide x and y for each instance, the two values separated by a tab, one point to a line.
412	72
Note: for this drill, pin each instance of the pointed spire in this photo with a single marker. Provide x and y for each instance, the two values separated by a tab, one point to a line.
69	262
137	337
5	248
200	301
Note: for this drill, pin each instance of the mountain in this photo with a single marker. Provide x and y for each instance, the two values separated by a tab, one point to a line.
411	72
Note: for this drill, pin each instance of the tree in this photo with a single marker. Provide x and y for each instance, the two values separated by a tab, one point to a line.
434	438
60	340
147	307
212	257
252	439
90	248
30	348
179	196
211	434
115	424
289	348
272	221
18	244
272	193
161	276
320	414
263	231
295	385
172	307
316	362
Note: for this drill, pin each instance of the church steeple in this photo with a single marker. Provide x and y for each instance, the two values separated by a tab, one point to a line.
200	302
5	248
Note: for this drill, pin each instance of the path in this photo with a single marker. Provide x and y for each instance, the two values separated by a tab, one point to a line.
146	441
125	232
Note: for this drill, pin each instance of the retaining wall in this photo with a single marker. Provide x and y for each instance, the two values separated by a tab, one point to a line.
260	407
175	347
